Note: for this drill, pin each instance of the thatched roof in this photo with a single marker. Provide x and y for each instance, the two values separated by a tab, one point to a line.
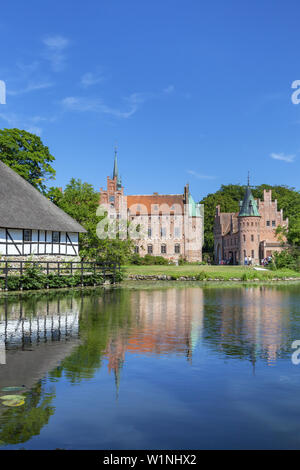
23	206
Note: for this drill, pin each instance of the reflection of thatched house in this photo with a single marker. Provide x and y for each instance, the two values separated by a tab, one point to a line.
30	224
35	344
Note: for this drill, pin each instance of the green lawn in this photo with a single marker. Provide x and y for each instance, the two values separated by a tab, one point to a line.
209	272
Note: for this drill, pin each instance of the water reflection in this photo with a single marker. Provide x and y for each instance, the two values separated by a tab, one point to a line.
69	337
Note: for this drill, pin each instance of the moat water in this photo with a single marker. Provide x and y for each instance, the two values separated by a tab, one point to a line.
152	366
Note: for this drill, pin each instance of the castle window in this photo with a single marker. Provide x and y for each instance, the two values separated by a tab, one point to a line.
176	232
136	249
252	253
163	232
244	238
273	223
150	249
27	235
177	248
252	238
149	232
163	249
268	223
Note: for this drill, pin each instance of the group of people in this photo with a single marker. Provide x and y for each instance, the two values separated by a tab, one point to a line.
248	261
266	261
226	261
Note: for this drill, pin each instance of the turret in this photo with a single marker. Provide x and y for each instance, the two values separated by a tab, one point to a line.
249	228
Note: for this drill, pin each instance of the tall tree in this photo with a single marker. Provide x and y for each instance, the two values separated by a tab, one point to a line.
81	202
25	153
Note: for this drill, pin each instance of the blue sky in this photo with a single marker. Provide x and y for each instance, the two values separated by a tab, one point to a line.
191	91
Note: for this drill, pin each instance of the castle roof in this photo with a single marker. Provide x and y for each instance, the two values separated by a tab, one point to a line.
147	201
24	207
194	208
248	206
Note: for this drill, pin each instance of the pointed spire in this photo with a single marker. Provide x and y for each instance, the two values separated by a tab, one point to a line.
248	206
115	173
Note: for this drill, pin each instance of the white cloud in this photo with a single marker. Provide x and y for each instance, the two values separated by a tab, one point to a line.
73	103
89	79
56	46
29	88
133	103
200	176
34	130
23	122
283	157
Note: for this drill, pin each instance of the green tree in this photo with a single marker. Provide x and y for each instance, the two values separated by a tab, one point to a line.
81	202
27	155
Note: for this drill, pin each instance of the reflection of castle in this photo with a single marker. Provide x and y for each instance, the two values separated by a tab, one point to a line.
252	324
163	322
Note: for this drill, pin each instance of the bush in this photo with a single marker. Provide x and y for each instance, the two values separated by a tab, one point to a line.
289	259
149	260
34	279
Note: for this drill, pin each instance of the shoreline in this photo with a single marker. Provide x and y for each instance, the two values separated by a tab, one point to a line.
152	280
165	277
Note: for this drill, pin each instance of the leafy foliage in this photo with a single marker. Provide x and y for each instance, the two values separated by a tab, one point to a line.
26	155
148	260
81	202
34	278
289	258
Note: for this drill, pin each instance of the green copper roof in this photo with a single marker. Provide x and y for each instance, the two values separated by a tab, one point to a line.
194	208
248	206
116	172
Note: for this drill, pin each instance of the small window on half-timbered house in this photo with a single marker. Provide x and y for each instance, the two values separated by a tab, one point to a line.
27	235
55	237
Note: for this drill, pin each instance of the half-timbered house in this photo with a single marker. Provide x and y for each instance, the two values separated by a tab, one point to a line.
30	224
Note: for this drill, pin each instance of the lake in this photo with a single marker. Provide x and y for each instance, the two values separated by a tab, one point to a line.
152	366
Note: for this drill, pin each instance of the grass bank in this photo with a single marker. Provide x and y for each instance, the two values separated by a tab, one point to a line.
200	273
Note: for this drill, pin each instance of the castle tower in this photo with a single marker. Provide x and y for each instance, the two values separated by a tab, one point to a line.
249	228
113	196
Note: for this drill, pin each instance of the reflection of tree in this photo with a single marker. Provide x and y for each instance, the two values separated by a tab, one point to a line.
18	425
101	317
